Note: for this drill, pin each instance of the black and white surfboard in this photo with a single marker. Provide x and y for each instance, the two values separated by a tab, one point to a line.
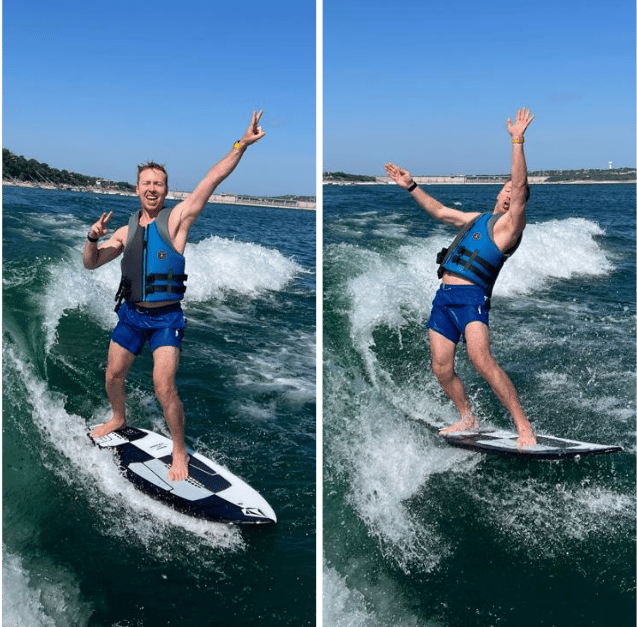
210	492
505	443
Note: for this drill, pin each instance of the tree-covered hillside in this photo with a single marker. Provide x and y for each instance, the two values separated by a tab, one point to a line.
18	168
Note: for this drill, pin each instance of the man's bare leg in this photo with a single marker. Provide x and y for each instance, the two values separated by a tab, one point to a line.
479	350
119	362
443	353
166	362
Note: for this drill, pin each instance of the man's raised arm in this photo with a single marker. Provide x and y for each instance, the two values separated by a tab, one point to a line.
519	180
190	209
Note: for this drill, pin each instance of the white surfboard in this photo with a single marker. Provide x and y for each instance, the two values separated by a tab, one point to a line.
210	492
505	443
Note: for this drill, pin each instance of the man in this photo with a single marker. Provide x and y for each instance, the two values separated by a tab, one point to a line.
469	268
153	283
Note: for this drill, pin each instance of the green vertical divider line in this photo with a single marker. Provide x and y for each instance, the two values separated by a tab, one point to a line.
319	309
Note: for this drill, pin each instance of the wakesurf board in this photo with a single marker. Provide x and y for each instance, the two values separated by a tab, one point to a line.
505	443
210	491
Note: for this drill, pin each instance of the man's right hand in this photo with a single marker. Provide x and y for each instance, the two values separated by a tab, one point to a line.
398	175
99	228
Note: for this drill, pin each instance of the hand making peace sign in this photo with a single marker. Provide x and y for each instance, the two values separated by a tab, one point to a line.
99	228
254	132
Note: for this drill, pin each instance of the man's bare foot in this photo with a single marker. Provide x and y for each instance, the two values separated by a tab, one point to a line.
108	427
526	437
466	423
179	469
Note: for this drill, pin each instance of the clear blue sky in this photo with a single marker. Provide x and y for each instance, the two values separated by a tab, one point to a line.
429	84
97	87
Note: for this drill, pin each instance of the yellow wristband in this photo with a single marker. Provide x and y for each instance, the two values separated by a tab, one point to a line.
237	145
517	140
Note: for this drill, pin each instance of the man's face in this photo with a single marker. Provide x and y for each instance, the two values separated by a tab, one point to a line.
504	198
151	189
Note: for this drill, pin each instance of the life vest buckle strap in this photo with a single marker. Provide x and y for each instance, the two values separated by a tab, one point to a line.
170	289
154	276
171	286
473	257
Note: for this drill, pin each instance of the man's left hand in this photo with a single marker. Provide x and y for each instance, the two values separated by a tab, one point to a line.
254	132
522	120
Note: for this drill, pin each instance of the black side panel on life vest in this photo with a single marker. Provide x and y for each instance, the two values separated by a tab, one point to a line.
133	259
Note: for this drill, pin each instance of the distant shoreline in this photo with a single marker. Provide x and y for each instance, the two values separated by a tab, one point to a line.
223	199
584	176
347	183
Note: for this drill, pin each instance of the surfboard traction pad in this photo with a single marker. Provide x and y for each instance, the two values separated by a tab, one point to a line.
505	443
145	458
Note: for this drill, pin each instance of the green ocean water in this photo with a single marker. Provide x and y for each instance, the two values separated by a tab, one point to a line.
81	546
419	534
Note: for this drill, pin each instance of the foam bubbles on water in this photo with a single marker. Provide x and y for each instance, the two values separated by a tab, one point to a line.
539	517
389	460
388	225
71	286
389	293
216	266
344	605
557	249
286	369
49	598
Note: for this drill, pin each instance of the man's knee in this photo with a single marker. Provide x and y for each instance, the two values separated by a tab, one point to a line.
166	360
118	364
166	391
115	375
485	364
442	370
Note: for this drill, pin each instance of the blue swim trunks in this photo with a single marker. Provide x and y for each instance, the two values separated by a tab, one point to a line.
159	326
454	307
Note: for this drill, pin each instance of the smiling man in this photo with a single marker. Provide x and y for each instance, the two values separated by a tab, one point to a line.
152	286
469	269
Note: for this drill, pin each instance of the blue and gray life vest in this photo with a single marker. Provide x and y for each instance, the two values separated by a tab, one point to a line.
152	270
473	255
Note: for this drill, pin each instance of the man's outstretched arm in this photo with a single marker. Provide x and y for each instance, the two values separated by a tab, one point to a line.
190	209
433	207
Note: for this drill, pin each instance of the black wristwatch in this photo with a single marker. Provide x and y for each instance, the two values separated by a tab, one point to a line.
92	239
412	187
